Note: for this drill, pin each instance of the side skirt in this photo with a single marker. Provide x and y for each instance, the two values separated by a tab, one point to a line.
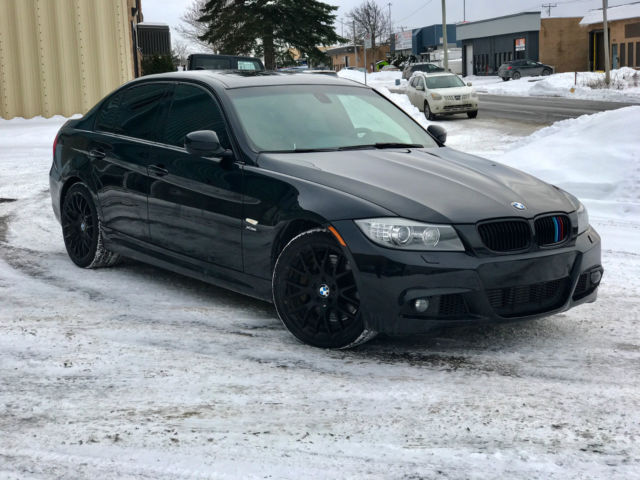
214	274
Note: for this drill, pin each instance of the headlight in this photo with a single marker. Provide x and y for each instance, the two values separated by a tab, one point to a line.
435	96
583	219
410	235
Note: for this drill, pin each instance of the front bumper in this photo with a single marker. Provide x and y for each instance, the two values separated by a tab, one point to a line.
463	288
444	107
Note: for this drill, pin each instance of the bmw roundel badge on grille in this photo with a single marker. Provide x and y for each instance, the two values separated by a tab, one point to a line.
518	206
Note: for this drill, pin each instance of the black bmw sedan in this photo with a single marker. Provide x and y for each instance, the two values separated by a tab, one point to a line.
322	196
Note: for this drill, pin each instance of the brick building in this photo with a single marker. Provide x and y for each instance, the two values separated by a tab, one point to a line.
345	56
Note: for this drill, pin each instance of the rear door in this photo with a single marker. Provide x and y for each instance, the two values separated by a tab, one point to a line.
195	203
119	151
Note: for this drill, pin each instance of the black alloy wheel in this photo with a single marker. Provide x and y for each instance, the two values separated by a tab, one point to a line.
516	75
505	79
427	112
546	72
82	230
315	293
472	114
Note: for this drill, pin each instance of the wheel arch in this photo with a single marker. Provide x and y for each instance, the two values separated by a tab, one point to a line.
291	230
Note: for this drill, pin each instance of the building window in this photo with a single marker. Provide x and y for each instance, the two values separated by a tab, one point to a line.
622	56
630	49
637	54
632	30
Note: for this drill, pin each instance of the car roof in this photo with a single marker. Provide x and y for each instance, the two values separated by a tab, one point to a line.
229	79
433	74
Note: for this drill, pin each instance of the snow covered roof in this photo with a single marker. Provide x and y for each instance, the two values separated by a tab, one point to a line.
153	24
621	12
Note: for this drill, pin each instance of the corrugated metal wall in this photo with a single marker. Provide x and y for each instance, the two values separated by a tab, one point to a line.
59	57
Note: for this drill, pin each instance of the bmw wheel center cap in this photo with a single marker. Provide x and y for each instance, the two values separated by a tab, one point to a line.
518	205
324	291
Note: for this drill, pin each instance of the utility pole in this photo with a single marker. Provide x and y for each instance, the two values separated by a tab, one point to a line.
549	6
464	10
444	36
355	46
390	27
607	75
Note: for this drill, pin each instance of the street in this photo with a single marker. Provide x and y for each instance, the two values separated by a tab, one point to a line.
540	110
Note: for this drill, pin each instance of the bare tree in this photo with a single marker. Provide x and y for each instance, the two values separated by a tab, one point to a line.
180	52
192	29
370	19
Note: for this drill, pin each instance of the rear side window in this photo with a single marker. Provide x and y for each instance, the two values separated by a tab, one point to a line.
193	109
248	65
133	112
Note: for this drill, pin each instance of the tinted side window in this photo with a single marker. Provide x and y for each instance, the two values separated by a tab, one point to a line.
108	118
193	109
140	109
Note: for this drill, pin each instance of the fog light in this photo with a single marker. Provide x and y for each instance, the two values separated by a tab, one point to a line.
596	276
420	305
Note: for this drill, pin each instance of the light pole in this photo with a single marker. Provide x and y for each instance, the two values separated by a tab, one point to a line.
607	75
444	36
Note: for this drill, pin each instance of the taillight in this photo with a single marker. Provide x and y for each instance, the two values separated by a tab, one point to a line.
55	143
509	68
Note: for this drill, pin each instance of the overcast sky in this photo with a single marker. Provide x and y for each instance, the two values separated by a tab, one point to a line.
407	13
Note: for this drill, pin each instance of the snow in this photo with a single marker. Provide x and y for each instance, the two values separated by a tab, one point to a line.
625	84
136	373
376	80
618	12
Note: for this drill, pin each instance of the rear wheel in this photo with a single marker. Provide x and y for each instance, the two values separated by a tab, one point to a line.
546	72
516	75
505	79
473	114
427	112
315	293
82	230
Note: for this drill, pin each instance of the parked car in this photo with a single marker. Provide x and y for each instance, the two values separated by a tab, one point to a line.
411	68
442	94
321	195
523	68
389	68
206	61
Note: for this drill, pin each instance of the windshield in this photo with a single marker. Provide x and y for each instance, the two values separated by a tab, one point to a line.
444	81
322	117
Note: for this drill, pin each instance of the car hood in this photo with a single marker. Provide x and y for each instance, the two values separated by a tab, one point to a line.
452	90
439	185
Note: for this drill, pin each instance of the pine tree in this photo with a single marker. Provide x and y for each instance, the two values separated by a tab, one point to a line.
247	26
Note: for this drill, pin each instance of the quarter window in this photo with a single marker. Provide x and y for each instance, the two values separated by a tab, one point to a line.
193	109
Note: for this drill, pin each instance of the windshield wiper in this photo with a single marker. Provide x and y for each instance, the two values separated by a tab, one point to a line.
382	145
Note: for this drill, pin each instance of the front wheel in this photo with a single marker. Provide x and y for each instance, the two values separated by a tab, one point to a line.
546	72
427	112
473	114
82	230
315	293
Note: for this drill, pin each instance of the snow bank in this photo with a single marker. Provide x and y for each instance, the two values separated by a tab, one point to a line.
595	157
377	79
625	85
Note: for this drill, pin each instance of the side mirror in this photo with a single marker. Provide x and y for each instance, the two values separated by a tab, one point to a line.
204	143
438	132
420	87
469	84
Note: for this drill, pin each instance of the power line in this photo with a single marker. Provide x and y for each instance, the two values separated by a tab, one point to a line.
420	8
549	6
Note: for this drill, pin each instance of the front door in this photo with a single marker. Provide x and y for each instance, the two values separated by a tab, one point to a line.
469	57
195	203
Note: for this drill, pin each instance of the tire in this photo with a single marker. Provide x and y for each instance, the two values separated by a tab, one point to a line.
427	112
505	79
82	230
516	75
473	114
546	72
315	293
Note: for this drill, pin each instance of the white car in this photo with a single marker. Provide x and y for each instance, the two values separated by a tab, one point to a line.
442	94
